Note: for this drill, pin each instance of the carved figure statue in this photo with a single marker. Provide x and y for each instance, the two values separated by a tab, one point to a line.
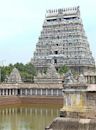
68	78
81	79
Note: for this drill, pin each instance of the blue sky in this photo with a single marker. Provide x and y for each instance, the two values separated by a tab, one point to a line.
21	22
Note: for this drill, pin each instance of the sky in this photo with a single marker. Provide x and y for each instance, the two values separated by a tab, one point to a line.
21	23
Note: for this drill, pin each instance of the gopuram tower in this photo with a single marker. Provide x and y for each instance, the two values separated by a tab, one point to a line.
63	42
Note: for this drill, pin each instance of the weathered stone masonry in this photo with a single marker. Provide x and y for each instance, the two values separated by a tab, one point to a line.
63	42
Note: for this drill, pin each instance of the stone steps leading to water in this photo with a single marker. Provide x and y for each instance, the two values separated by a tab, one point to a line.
72	124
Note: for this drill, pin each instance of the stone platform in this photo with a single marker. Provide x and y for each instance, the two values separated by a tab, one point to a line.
72	124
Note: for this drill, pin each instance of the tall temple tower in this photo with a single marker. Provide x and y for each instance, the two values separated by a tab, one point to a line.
63	42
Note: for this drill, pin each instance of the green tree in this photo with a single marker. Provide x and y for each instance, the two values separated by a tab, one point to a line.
5	71
30	69
27	71
2	74
20	66
63	69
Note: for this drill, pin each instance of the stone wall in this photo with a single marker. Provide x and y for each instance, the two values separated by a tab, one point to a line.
9	101
32	100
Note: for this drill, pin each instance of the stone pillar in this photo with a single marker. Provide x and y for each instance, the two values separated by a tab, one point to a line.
88	79
36	92
51	92
31	91
41	91
23	91
3	92
12	91
26	92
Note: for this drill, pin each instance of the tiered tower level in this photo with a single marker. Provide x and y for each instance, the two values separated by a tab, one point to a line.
63	42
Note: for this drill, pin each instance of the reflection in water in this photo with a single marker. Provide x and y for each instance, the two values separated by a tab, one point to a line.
26	118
